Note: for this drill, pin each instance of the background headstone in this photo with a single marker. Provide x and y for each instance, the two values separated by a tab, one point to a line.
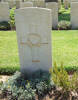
74	15
59	4
74	0
33	26
54	7
11	3
14	3
39	3
17	3
26	4
66	4
4	11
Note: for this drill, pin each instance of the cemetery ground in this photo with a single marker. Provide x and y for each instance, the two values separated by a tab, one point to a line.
64	51
40	86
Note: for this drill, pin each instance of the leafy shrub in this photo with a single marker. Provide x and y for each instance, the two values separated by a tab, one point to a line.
12	19
64	25
61	79
4	25
20	88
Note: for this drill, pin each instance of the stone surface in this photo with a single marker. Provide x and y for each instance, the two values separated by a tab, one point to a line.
17	3
13	3
74	15
4	11
39	3
74	0
33	26
26	4
66	4
59	4
54	7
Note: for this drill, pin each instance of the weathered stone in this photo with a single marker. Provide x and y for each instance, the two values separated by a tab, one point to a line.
59	4
11	3
66	4
74	0
26	4
74	15
4	11
33	26
54	7
39	3
17	3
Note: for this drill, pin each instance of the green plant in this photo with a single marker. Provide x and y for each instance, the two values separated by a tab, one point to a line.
64	14
64	25
62	79
4	25
19	87
12	19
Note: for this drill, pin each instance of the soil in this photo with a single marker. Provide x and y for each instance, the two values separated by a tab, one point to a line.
55	94
3	78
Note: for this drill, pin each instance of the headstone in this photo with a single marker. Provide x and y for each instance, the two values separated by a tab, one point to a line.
11	3
3	0
26	4
74	15
14	3
59	4
4	11
66	4
74	0
54	7
39	3
33	26
17	3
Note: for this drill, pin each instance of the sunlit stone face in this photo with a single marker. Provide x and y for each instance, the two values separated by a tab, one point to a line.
4	11
74	15
33	26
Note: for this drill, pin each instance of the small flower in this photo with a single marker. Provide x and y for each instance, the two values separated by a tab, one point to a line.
8	86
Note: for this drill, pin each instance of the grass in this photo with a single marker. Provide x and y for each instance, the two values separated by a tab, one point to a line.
64	49
8	52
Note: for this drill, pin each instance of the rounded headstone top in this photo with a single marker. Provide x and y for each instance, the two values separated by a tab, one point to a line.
33	8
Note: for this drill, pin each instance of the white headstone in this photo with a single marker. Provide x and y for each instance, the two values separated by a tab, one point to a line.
4	11
33	26
74	15
39	3
66	4
54	7
26	4
17	3
59	4
11	3
14	3
74	0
